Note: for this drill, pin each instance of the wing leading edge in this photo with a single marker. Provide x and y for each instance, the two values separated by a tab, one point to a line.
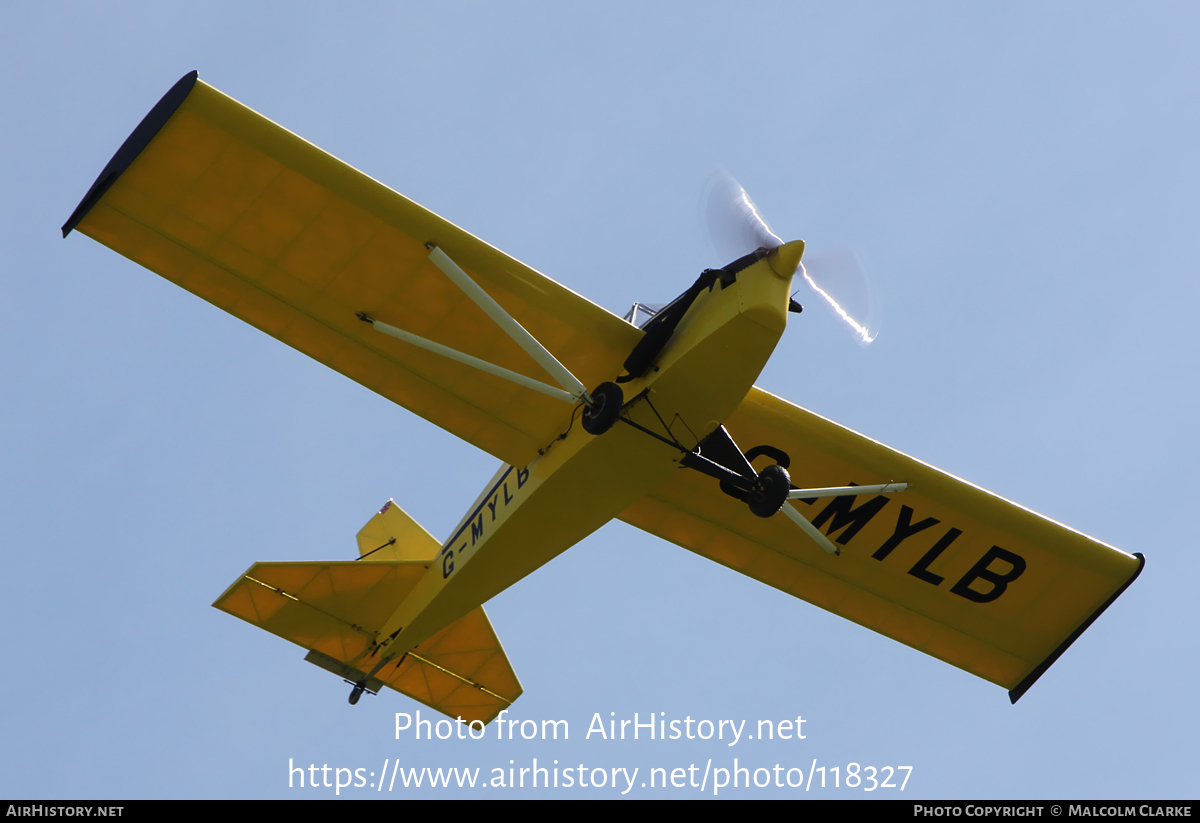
241	212
945	567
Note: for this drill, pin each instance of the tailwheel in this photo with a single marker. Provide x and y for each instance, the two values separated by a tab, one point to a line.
359	688
770	491
607	400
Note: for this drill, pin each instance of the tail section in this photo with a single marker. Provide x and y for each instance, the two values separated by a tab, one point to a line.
335	610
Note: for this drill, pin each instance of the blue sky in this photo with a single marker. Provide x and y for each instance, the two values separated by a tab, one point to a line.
1020	178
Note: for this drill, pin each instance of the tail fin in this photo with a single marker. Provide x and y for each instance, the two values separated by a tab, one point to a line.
392	534
335	610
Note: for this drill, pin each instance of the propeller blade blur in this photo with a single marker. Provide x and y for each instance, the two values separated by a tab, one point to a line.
734	224
839	279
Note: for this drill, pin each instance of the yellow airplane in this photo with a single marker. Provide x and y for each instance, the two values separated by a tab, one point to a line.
594	417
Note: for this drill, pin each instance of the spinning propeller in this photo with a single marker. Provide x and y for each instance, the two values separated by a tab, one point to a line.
735	227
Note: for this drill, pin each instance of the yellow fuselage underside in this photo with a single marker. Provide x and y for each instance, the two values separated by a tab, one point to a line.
579	482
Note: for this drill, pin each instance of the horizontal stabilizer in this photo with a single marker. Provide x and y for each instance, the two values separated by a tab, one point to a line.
461	671
335	610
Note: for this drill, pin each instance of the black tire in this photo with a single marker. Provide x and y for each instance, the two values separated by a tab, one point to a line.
770	491
355	695
607	400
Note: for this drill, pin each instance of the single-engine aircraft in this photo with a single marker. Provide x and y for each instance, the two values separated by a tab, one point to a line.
660	426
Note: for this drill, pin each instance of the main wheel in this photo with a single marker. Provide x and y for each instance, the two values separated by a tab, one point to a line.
770	491
607	400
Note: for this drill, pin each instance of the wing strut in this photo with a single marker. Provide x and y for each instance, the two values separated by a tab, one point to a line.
809	529
833	491
572	391
846	491
466	359
505	321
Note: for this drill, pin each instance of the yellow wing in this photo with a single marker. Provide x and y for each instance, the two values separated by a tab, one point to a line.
250	217
335	610
945	567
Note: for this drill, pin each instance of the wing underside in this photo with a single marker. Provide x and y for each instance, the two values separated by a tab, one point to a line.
945	567
241	212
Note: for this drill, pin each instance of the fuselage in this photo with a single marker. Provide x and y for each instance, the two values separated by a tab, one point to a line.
529	515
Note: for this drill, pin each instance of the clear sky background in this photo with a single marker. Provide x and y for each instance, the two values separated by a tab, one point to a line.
1021	179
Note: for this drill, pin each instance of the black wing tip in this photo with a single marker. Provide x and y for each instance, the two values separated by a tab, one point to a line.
1019	691
151	125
